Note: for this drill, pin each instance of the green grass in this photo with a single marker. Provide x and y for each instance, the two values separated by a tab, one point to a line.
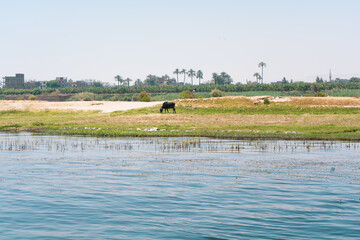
343	92
324	132
104	124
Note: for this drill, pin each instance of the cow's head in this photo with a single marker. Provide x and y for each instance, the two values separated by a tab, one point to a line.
161	109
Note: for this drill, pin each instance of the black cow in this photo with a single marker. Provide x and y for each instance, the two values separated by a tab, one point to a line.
167	105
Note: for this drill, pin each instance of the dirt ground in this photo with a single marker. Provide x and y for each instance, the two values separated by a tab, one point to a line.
103	106
109	106
240	101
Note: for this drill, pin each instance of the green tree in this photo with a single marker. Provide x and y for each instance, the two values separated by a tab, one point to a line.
191	73
119	80
226	79
183	72
284	80
262	65
215	78
199	75
177	72
257	76
315	87
319	80
97	84
138	82
53	84
150	80
127	81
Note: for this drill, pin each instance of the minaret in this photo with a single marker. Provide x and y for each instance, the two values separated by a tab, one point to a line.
330	75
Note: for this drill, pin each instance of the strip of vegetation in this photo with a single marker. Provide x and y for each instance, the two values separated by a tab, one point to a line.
302	87
343	134
229	122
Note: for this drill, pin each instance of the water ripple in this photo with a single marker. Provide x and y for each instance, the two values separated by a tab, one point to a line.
89	188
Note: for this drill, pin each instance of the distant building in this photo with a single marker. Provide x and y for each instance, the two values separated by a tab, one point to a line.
62	81
166	81
17	82
42	84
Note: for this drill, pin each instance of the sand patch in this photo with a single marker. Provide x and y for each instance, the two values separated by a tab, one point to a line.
103	106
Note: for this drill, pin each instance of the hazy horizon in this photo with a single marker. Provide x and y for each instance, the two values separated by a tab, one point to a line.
100	39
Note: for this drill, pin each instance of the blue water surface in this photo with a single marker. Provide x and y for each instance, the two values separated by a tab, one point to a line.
61	187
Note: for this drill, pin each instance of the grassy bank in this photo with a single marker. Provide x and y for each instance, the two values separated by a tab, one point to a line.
304	118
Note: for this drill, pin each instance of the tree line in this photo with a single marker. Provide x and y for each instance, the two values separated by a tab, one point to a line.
353	83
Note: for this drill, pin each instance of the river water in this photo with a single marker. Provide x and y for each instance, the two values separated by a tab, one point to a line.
61	187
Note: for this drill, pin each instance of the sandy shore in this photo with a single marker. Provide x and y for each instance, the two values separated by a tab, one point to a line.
103	106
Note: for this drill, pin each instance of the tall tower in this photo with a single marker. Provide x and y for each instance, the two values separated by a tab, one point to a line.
330	75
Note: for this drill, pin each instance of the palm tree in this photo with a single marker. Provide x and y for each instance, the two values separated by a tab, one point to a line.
138	82
215	77
128	80
119	79
177	72
191	73
183	72
199	75
262	65
150	80
257	76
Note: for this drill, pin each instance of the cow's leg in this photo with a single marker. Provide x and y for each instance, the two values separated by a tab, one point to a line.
174	110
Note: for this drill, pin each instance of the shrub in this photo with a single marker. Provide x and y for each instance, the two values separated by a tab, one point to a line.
200	97
144	97
217	93
115	98
187	94
319	94
36	91
32	97
135	98
266	101
83	96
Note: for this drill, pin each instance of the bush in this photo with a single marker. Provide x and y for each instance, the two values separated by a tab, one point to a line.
135	98
217	93
115	98
84	96
200	97
266	101
36	91
32	97
144	97
319	94
187	94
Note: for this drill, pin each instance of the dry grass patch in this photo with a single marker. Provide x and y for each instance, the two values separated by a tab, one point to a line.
238	101
326	101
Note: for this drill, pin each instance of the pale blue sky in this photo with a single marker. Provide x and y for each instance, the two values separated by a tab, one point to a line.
98	39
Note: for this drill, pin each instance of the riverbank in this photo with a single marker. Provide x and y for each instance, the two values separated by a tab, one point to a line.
228	117
102	106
